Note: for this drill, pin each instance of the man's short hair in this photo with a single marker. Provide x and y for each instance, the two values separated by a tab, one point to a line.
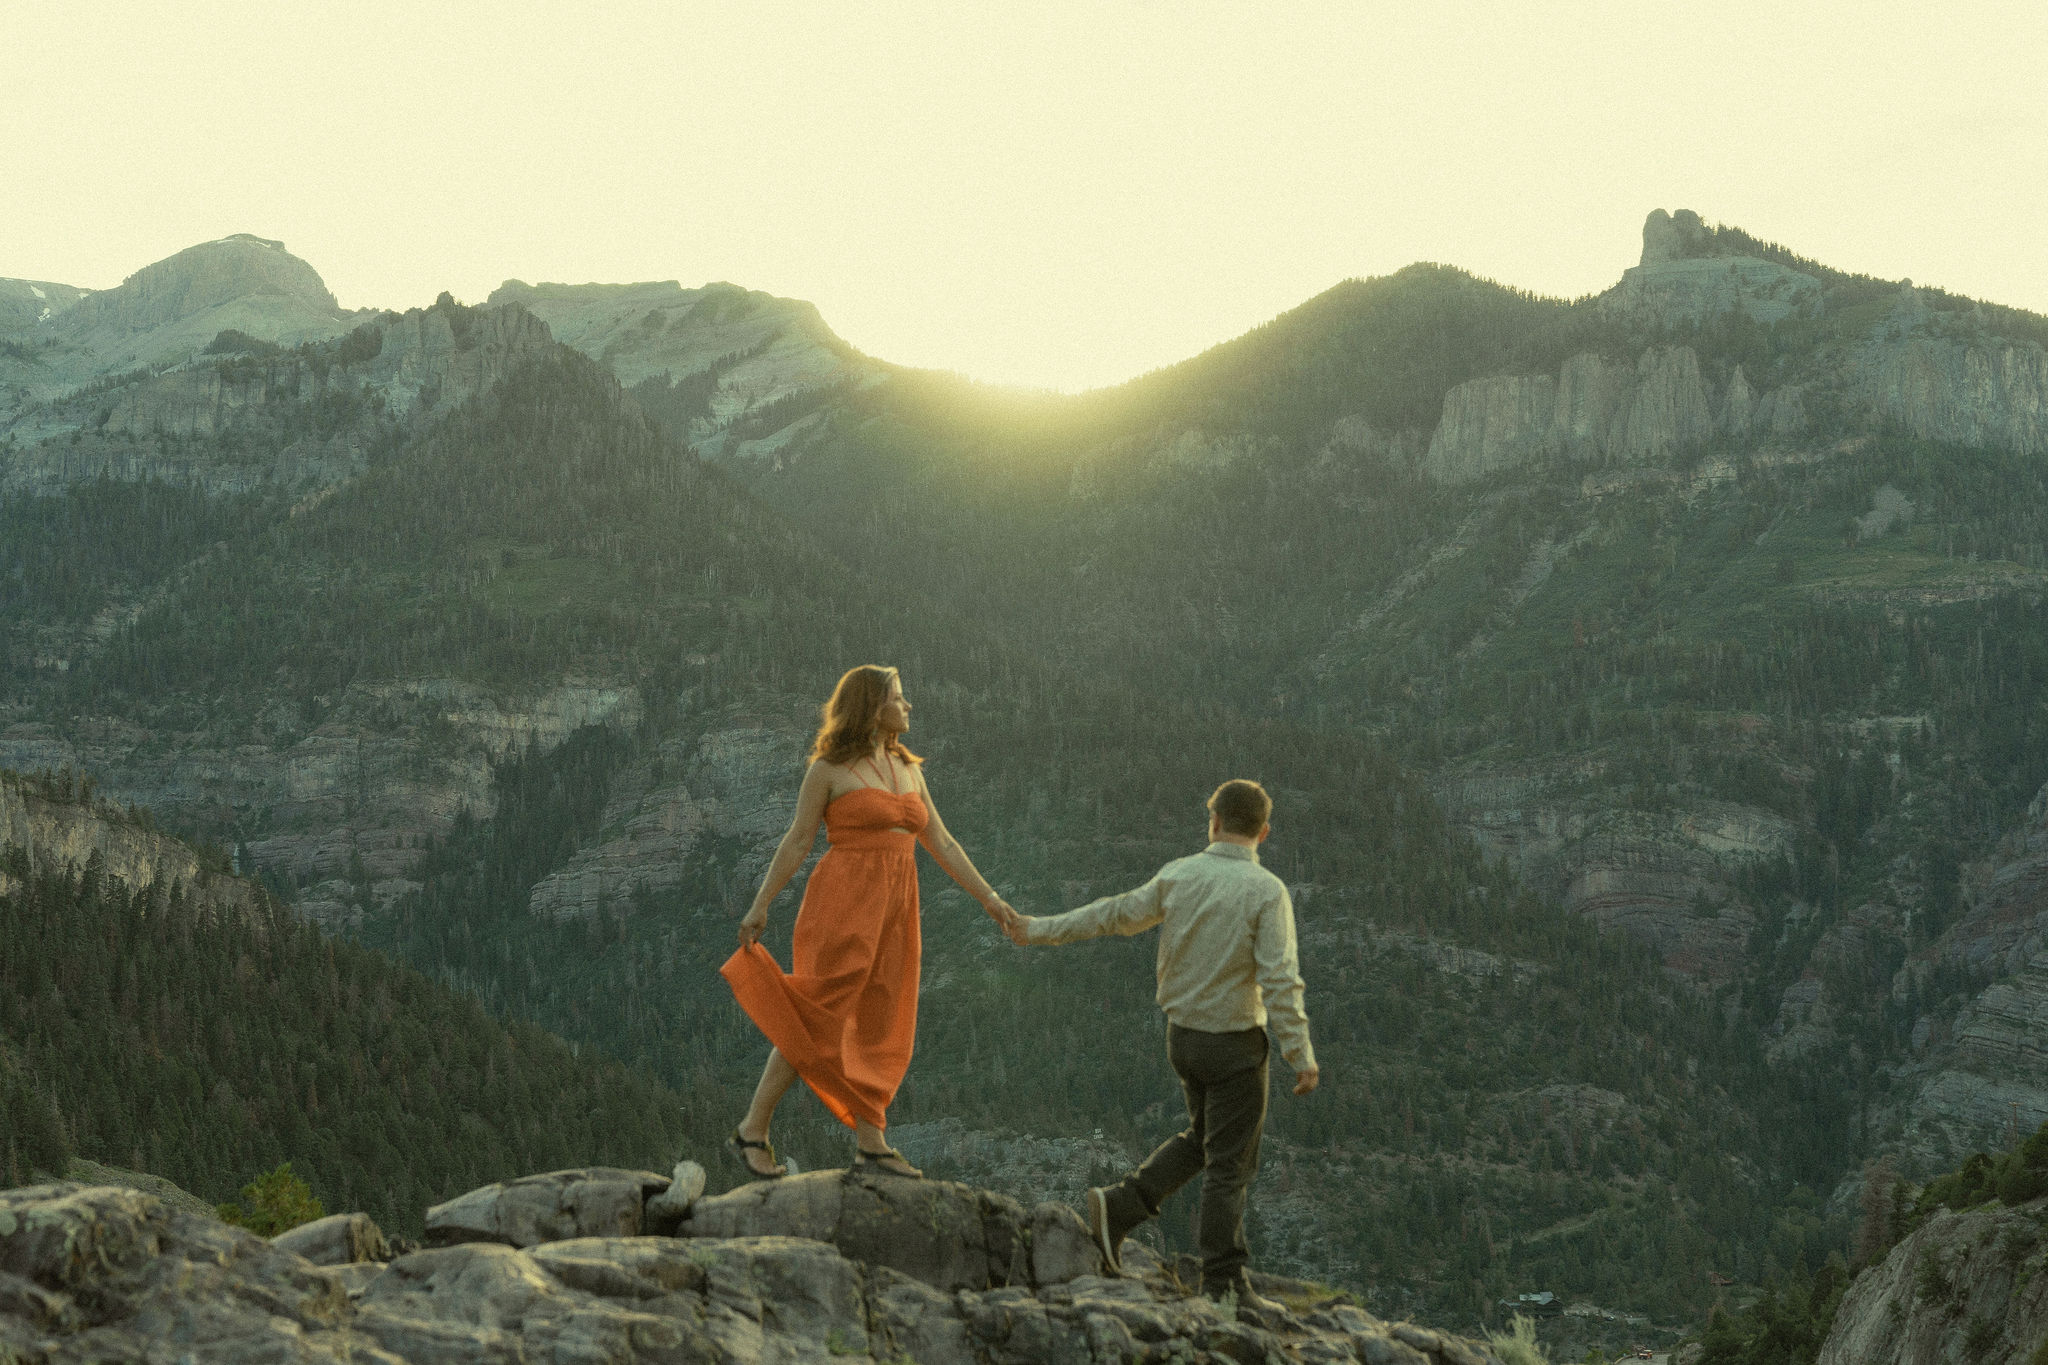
1241	807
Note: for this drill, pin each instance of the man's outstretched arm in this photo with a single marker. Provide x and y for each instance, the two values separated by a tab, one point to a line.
1131	912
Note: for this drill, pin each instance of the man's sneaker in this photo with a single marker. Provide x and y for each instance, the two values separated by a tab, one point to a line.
1100	1226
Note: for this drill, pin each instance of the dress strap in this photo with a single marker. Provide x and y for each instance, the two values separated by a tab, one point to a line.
888	783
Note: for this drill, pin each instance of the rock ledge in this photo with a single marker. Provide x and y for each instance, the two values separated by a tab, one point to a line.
93	1273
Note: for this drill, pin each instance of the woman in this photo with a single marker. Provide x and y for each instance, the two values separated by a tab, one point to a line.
845	1018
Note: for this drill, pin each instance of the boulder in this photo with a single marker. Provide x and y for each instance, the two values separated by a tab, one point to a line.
666	1211
588	1201
338	1239
1061	1247
948	1235
96	1272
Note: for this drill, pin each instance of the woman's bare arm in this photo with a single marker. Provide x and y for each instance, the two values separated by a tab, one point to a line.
791	852
940	843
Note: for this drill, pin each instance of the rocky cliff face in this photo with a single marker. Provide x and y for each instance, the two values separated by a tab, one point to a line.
236	423
708	360
1981	1073
1963	1289
1982	392
55	823
344	810
1671	880
1598	409
1944	376
1993	1073
734	783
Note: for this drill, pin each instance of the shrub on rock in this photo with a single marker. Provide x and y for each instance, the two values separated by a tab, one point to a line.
276	1201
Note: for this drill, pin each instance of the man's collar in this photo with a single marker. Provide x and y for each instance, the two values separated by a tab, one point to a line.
1222	848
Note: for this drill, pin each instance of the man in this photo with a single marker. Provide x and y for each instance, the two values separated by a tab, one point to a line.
1227	968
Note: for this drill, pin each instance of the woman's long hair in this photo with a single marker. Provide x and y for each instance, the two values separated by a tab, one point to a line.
852	718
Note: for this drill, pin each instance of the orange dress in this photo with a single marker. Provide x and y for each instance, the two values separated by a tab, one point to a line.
845	1016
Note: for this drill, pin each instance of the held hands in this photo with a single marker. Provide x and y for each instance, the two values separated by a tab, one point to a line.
1305	1081
752	925
1006	917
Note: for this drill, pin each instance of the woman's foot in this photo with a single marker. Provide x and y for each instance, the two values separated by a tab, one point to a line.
888	1161
757	1155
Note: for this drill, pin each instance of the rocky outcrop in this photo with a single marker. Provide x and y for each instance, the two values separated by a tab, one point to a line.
55	823
1982	1070
948	1235
83	1172
1666	293
1596	409
740	353
441	356
1982	392
1491	424
338	1239
171	309
1941	379
298	421
1670	899
350	804
1672	880
733	783
1991	1079
593	1201
1963	1289
1685	277
2004	923
1853	952
96	1273
415	356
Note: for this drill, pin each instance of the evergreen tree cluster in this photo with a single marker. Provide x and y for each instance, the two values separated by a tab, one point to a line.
145	1028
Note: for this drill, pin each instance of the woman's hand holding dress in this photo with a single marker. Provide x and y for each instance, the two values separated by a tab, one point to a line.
753	925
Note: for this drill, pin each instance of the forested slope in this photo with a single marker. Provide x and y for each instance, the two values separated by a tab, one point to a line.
208	1039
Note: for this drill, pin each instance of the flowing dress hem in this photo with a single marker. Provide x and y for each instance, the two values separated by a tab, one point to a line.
757	983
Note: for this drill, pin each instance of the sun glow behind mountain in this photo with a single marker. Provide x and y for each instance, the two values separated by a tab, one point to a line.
1059	195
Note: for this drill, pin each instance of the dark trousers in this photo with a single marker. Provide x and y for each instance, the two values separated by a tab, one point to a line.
1224	1078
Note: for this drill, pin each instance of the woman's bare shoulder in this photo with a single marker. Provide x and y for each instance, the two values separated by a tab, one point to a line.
825	773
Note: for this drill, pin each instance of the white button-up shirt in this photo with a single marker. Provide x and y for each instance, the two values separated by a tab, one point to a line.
1227	956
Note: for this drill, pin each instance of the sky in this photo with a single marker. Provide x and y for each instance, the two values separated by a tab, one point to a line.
1044	194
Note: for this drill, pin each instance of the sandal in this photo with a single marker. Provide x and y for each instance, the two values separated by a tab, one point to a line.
864	1159
739	1147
